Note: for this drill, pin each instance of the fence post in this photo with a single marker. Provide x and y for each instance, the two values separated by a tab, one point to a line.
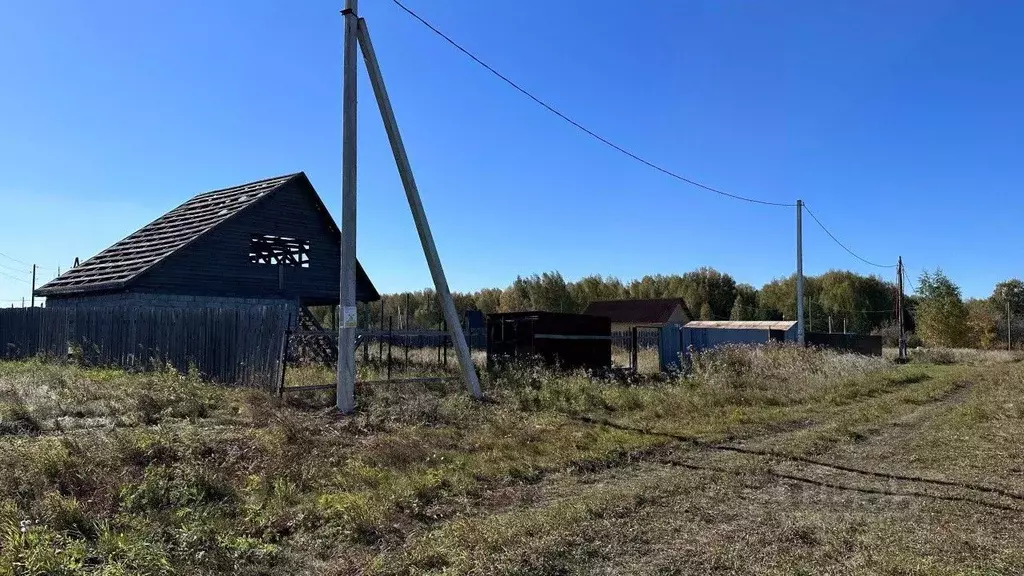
284	357
390	335
368	325
633	345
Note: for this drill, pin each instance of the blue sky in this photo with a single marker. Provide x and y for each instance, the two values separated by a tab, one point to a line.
899	123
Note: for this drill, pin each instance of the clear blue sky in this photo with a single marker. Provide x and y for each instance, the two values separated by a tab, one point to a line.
899	123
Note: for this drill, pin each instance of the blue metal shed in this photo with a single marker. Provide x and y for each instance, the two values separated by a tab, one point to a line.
705	334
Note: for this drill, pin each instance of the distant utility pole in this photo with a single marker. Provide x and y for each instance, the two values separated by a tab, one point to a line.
1006	296
829	323
899	312
33	286
800	332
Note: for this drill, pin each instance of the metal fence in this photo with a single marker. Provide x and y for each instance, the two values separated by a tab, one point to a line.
645	357
381	355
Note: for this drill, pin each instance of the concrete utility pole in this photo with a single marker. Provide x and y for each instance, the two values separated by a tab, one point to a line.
349	317
33	295
899	312
800	333
1006	296
412	194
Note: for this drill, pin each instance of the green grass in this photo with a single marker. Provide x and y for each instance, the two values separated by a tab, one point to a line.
107	472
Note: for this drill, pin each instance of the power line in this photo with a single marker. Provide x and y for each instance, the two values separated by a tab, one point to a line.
12	258
911	282
14	278
23	263
843	246
13	269
581	127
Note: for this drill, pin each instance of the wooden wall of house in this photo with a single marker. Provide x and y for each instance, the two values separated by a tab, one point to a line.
218	263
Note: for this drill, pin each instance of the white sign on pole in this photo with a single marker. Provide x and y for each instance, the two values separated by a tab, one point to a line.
349	317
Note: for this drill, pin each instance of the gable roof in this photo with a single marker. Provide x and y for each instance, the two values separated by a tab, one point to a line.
742	324
126	260
646	311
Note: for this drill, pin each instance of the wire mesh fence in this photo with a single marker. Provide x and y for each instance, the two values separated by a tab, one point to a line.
382	355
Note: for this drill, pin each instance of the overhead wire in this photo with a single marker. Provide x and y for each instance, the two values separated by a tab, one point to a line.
13	259
581	127
844	246
15	270
6	275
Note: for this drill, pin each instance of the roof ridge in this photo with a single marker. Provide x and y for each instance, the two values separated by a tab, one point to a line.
253	183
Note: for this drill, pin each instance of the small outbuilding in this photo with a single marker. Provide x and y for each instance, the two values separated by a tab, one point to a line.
568	341
705	334
640	313
270	242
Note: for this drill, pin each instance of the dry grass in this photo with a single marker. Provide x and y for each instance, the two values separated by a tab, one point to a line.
724	471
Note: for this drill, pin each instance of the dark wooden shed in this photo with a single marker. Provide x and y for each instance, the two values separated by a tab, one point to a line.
568	341
263	243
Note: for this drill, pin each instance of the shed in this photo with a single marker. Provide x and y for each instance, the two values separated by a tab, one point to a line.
704	334
648	312
269	242
568	341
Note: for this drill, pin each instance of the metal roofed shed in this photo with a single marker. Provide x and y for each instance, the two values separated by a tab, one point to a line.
567	341
653	312
705	334
269	242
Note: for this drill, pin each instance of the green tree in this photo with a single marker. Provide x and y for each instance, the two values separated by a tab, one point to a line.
488	300
984	323
942	317
706	313
515	298
745	305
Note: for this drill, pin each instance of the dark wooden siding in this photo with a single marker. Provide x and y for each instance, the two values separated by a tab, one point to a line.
217	264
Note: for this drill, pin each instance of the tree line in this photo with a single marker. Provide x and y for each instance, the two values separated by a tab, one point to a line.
935	315
865	303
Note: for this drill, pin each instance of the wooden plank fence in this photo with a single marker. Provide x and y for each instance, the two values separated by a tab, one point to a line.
227	345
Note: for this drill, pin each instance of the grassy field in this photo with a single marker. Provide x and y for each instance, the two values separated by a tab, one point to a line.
777	461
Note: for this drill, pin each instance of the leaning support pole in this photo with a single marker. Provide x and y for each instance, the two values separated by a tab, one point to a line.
418	214
346	400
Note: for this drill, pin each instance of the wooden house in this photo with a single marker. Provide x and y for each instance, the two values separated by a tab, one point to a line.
270	242
640	313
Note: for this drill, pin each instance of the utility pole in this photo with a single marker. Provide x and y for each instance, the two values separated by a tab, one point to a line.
800	333
899	313
844	324
33	285
349	317
419	215
829	323
1006	296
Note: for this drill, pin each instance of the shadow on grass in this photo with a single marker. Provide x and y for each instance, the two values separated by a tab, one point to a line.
697	443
